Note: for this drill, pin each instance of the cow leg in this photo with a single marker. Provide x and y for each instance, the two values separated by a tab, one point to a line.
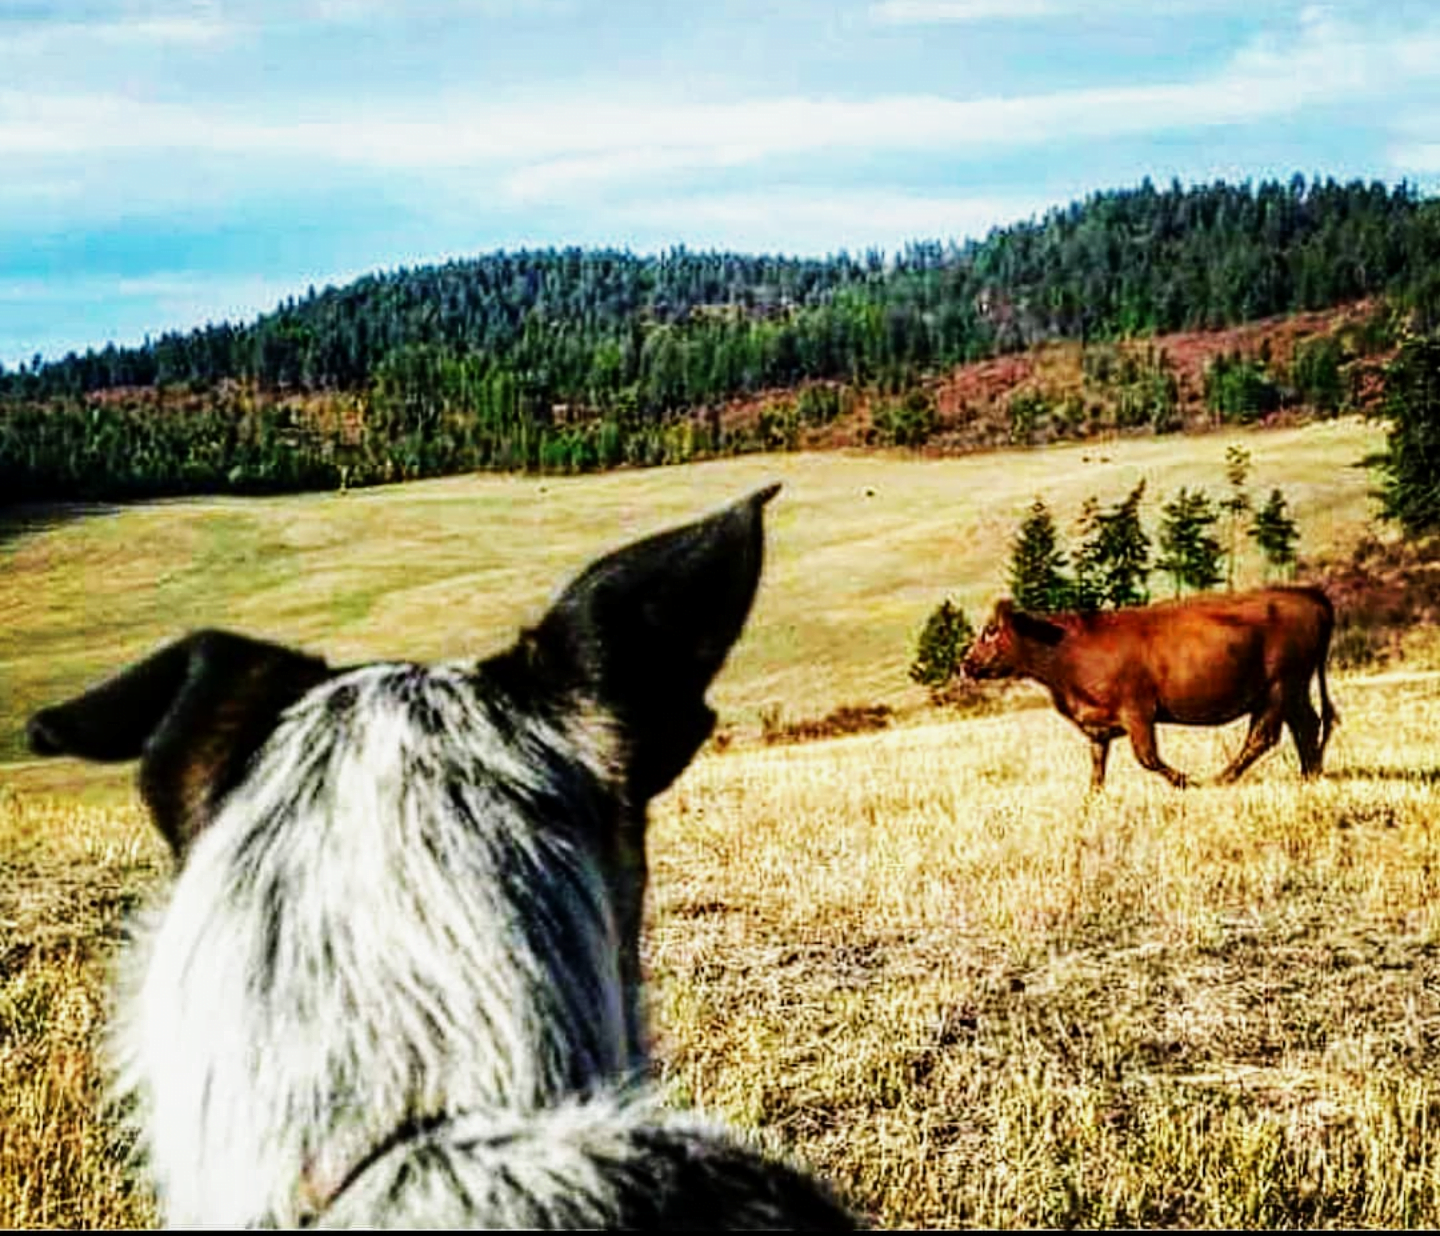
1264	733
1304	723
1142	742
1099	750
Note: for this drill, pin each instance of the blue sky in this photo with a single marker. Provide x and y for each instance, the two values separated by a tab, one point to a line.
164	163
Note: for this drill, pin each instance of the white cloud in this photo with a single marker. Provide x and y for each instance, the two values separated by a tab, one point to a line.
1416	147
1416	157
134	306
359	12
557	146
177	25
181	287
561	145
975	12
563	176
558	149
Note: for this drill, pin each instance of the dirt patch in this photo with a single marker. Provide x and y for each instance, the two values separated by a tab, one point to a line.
847	719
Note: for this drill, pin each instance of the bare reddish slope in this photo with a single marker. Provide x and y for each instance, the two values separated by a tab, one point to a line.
971	402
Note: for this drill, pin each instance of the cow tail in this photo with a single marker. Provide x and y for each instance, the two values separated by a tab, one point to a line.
1328	716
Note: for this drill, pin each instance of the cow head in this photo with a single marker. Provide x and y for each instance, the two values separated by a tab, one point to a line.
992	655
999	651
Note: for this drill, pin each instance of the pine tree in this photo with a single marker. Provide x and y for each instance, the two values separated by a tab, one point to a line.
1126	552
1113	563
1192	554
944	641
1237	468
1089	586
1037	564
1410	464
1316	373
1274	531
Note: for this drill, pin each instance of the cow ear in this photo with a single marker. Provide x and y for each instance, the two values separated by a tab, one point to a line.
193	714
1027	626
644	630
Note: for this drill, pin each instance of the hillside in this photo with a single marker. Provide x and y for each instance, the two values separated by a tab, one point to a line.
576	361
1281	370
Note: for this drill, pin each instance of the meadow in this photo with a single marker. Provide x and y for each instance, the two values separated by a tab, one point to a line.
861	548
920	959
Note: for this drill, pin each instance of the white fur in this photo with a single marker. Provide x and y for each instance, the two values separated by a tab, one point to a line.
333	963
387	987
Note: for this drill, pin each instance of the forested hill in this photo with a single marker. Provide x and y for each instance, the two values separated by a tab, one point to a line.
576	359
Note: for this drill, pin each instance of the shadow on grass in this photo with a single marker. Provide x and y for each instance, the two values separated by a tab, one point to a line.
1379	772
21	519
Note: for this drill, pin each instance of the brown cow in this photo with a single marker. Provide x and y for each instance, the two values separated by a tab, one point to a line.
1203	661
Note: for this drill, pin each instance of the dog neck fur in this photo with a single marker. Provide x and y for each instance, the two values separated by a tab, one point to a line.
373	931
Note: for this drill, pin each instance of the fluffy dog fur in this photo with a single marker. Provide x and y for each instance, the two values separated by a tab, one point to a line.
397	980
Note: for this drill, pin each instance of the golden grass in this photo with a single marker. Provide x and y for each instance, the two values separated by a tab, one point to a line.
925	960
862	548
68	874
921	959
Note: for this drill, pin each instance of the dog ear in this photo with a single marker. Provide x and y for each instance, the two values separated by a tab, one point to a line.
644	630
193	714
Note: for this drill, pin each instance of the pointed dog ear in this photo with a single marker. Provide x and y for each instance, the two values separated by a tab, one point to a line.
645	629
193	714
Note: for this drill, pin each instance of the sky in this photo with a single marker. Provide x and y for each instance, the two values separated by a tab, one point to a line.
167	163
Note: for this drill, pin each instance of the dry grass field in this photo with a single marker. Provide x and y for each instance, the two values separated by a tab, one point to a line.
973	997
921	959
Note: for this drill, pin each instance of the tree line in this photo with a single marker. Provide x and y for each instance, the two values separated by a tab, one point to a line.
674	330
568	360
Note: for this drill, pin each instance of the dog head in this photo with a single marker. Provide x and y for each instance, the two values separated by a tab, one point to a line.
625	656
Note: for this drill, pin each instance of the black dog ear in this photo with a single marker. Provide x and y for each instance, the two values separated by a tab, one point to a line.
193	714
643	631
1028	626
